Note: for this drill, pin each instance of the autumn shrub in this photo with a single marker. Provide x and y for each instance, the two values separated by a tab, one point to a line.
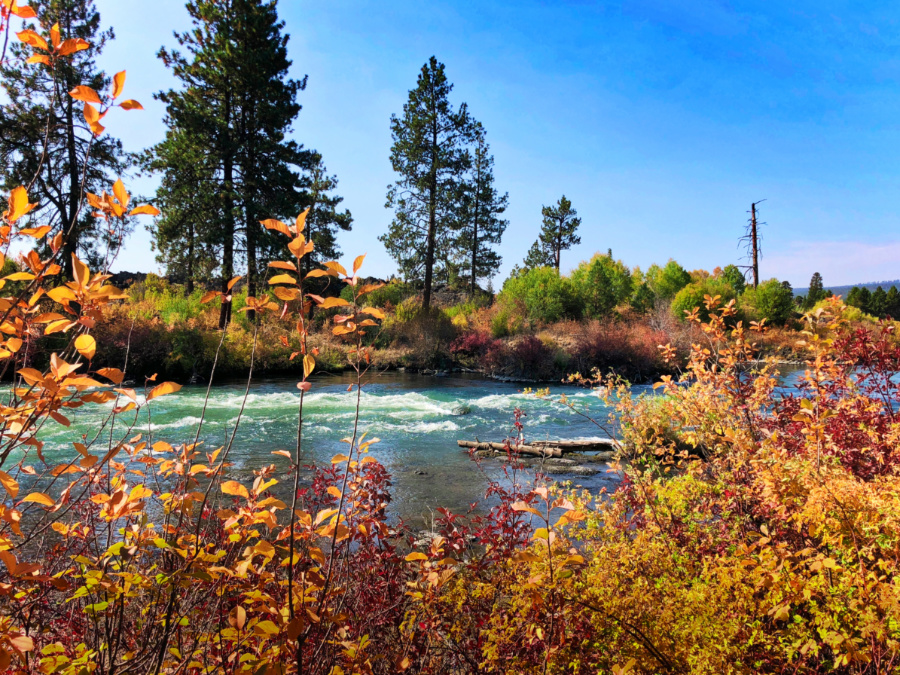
630	348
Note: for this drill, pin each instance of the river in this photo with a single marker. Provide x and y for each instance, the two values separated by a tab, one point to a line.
418	419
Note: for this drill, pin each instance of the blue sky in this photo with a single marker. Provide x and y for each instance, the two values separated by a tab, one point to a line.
661	120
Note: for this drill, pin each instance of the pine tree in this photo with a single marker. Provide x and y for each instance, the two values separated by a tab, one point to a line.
430	155
236	105
324	219
878	303
44	142
539	255
816	291
893	303
558	229
482	227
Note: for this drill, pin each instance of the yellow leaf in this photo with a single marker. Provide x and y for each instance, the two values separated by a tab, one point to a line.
232	487
19	276
282	279
39	498
308	364
358	263
118	84
337	267
9	483
339	459
81	271
415	556
163	389
84	93
86	346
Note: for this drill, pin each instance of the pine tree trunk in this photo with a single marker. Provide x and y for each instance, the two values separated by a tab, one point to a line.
189	282
475	237
558	245
432	212
70	224
228	225
755	243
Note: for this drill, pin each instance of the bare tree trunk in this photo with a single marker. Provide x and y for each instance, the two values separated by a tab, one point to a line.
754	242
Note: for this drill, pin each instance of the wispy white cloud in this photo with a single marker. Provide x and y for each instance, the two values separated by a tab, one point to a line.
839	262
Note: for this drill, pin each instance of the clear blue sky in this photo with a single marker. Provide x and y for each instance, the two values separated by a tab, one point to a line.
660	119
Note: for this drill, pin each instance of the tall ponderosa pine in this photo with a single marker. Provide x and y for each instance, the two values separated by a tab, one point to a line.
816	291
45	143
481	227
429	154
237	105
558	230
539	255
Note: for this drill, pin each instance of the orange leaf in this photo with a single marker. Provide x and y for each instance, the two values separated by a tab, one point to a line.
18	204
120	193
84	93
163	389
144	209
29	37
333	302
54	35
233	282
131	104
300	223
39	498
209	295
232	487
71	46
9	483
118	84
277	225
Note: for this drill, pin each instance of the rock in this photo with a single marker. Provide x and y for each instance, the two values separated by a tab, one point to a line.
421	473
462	410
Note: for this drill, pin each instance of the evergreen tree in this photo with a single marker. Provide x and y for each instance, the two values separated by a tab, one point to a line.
558	229
45	143
893	303
430	155
878	303
481	225
864	300
539	255
324	219
236	105
816	291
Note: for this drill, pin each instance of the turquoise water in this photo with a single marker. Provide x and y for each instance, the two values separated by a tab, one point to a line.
418	419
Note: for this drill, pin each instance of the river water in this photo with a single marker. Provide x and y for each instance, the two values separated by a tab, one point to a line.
418	419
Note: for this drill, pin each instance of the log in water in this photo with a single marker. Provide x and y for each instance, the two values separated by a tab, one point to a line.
546	448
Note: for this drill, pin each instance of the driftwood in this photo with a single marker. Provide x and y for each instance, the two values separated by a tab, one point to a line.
522	449
547	448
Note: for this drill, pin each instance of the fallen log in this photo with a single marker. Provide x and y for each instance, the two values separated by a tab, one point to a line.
601	444
522	449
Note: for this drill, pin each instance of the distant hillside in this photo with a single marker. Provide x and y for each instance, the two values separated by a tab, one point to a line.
843	290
